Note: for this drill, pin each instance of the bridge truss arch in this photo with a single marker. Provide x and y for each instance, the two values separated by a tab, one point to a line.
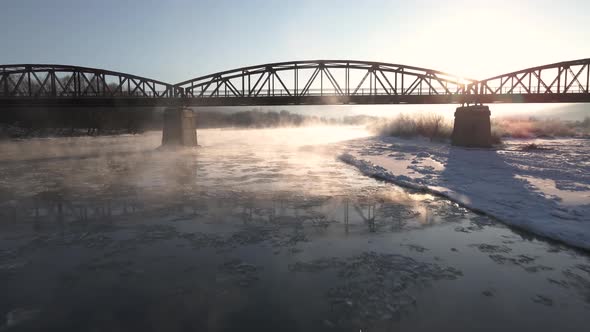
567	81
291	83
327	81
46	81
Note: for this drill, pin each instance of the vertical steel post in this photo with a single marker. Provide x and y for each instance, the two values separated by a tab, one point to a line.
273	82
52	82
588	78
29	81
321	80
530	82
5	80
565	81
558	78
403	93
371	81
347	78
296	80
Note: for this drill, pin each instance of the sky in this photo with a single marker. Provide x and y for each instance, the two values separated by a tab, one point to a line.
176	40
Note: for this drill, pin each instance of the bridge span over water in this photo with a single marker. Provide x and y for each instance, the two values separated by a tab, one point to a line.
317	82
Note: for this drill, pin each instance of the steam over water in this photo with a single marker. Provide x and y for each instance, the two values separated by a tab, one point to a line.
258	230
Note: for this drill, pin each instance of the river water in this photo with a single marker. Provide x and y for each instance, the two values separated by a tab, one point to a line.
258	230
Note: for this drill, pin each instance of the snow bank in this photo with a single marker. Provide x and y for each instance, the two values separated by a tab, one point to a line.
546	192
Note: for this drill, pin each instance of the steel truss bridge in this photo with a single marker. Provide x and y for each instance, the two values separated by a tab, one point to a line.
292	83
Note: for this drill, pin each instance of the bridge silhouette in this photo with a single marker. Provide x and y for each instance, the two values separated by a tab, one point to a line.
318	82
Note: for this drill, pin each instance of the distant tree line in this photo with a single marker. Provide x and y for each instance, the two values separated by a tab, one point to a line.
270	119
75	121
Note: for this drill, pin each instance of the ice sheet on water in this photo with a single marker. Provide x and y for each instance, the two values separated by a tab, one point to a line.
374	286
546	192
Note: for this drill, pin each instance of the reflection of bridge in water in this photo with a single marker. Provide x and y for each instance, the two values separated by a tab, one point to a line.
318	82
51	209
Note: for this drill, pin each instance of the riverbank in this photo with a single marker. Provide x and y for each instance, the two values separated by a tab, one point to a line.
8	132
544	189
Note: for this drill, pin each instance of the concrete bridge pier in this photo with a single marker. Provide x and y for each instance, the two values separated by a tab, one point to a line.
472	127
179	127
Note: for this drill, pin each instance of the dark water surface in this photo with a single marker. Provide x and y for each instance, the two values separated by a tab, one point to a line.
258	230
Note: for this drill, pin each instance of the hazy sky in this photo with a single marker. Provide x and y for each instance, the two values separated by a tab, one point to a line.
175	40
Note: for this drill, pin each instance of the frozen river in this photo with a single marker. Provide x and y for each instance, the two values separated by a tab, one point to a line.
259	230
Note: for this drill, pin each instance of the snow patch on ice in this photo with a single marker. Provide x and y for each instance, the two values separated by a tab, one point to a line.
546	192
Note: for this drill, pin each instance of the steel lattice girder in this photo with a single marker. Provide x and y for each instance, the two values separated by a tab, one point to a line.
41	80
570	77
373	78
297	82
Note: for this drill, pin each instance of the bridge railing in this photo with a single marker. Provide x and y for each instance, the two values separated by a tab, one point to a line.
374	92
535	90
320	92
120	94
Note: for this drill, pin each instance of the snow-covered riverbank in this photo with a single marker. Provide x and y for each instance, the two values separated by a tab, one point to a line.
546	191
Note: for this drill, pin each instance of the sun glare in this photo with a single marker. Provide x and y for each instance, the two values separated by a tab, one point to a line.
476	44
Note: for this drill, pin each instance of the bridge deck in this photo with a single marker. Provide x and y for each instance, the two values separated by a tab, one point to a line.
289	100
